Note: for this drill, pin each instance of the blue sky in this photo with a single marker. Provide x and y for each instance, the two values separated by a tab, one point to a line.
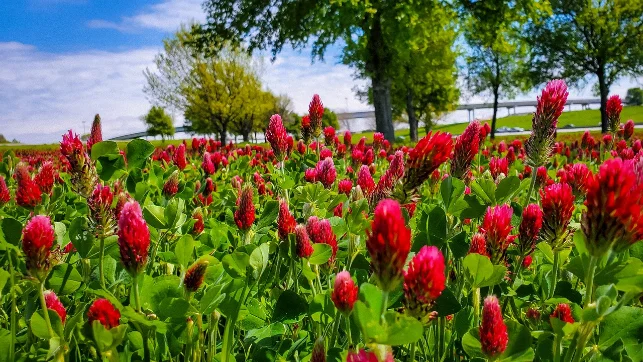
62	61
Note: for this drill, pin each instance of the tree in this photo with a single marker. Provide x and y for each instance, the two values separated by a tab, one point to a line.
283	107
158	123
634	97
496	50
329	119
576	39
256	113
365	29
221	91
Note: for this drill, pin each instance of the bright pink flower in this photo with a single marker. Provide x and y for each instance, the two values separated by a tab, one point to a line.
344	293
28	193
388	243
493	331
277	136
179	157
557	202
171	186
577	176
303	245
5	196
321	232
207	165
614	215
613	109
427	155
310	175
316	112
497	166
46	177
326	173
53	303
563	312
208	188
378	139
466	148
104	312
478	244
365	180
194	276
526	261
628	129
197	215
244	216
530	225
424	280
369	356
544	122
348	139
285	221
329	136
345	186
133	238
497	227
71	146
96	134
100	208
37	240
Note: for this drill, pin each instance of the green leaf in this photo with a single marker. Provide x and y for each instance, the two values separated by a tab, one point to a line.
81	237
269	214
507	187
478	268
485	189
623	323
173	307
173	212
463	321
236	263
12	230
519	346
155	216
39	325
474	210
399	329
255	336
451	189
437	226
546	250
321	306
64	279
5	342
290	307
184	250
138	152
259	260
321	254
103	149
471	344
447	303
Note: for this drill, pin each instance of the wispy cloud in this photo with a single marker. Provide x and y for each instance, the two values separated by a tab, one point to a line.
166	16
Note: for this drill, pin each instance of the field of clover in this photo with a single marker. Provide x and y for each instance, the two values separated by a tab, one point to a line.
327	248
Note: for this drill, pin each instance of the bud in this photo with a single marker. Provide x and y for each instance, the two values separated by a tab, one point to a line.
83	171
344	293
197	215
171	186
498	166
319	351
244	216
530	225
207	165
46	177
557	201
310	175
53	303
563	312
493	331
133	238
344	186
101	213
179	157
5	196
316	112
613	109
424	282
466	148
27	192
304	247
277	136
628	129
388	244
577	176
325	172
365	180
37	240
544	122
96	134
479	244
306	129
285	221
497	227
104	312
194	276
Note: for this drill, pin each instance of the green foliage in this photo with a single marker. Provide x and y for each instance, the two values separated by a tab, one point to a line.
158	122
634	97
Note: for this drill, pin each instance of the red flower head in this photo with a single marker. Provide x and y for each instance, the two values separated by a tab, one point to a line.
197	215
466	148
5	196
306	129
171	186
532	221
497	227
179	157
526	261
304	247
301	147
244	216
613	109
194	276
365	180
378	139
563	312
614	215
388	243
209	187
498	166
478	244
100	208
46	177
424	281
53	303
543	125
587	141
207	165
427	155
104	312
326	173
71	147
577	176
133	238
348	139
285	222
277	136
344	293
493	331
83	171
345	186
389	179
319	351
28	192
628	129
557	201
310	175
37	240
361	356
320	231
96	134
316	112
329	136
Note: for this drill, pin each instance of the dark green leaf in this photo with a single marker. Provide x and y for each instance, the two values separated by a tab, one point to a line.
138	152
290	307
321	254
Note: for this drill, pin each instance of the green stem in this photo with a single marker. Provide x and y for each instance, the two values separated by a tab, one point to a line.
531	186
384	304
554	273
348	331
101	255
412	354
43	304
476	307
557	342
137	297
333	336
589	281
13	307
228	333
146	346
578	353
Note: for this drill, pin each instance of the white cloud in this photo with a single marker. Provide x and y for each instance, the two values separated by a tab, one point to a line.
167	16
45	94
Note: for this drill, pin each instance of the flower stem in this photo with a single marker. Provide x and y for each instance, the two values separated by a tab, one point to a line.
589	281
531	187
554	273
557	341
476	307
101	256
384	304
13	307
348	331
137	297
333	337
43	304
412	354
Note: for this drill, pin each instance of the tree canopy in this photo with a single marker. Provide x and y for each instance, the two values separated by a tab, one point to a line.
158	122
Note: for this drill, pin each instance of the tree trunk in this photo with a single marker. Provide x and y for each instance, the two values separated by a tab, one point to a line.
495	111
604	91
410	111
223	134
246	137
377	63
